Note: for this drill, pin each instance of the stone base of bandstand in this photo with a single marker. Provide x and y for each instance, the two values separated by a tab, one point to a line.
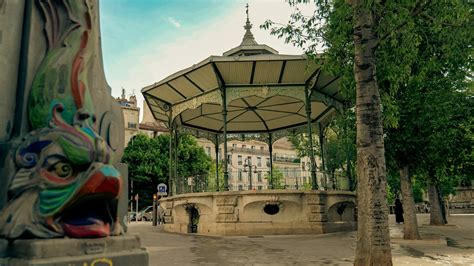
119	250
234	213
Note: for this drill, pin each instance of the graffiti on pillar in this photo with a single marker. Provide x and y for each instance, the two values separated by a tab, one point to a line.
63	183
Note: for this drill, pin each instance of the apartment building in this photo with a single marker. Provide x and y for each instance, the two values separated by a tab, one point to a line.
249	162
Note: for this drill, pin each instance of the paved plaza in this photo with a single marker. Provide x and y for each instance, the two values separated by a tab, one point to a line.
448	245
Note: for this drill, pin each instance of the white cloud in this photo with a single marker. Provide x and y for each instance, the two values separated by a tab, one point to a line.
174	22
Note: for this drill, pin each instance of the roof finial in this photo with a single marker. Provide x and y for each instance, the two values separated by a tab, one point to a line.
247	11
248	37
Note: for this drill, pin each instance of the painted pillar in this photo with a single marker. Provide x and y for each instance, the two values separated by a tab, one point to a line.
314	182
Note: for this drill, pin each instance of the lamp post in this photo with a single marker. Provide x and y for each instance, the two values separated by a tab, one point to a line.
248	163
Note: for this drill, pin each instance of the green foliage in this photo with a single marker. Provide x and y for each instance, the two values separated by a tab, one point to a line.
339	145
148	162
192	159
424	72
211	177
277	180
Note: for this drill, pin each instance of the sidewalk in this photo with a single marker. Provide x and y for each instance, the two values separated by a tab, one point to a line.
441	245
452	244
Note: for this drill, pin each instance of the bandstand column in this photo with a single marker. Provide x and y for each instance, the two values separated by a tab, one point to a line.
175	175
224	118
270	151
314	182
170	152
216	143
323	161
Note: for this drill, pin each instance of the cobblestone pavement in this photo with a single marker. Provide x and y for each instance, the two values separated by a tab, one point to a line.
441	245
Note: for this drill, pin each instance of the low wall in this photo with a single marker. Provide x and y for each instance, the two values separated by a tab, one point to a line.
262	212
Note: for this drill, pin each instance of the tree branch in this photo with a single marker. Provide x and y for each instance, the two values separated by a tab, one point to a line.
415	12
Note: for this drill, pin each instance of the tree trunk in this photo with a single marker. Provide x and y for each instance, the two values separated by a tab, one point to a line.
373	238
436	216
410	226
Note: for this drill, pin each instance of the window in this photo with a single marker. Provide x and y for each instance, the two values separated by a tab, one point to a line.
249	160
259	161
244	146
259	187
229	159
259	176
234	145
268	162
208	151
304	180
261	148
241	188
240	175
239	159
303	166
132	125
252	147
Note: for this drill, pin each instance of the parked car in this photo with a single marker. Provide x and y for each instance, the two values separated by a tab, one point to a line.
132	216
145	214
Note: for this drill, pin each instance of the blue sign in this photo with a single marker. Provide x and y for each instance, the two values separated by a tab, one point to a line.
162	188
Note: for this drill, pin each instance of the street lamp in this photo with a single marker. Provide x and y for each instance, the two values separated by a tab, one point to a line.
248	163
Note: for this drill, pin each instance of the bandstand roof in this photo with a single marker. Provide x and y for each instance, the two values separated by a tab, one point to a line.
264	91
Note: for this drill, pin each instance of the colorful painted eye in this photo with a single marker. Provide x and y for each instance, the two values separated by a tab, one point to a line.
63	170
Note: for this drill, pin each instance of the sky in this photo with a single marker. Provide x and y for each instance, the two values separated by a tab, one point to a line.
144	41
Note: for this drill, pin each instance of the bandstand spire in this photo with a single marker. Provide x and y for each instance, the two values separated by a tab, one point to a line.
248	36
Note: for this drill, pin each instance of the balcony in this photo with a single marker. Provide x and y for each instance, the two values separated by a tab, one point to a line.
278	159
248	151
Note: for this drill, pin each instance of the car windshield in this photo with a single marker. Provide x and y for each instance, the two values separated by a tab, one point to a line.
147	209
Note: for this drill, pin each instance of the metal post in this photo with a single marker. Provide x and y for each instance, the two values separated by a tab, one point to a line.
270	150
323	161
131	198
170	163
314	182
249	163
296	177
176	142
222	86
217	161
136	209
224	118
131	208
154	210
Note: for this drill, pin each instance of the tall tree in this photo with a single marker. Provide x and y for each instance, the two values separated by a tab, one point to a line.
147	160
359	37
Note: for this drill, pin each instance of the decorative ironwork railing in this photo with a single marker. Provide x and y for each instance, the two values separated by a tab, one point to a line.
259	180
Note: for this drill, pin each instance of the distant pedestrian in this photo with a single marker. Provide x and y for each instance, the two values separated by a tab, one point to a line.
426	207
398	211
161	215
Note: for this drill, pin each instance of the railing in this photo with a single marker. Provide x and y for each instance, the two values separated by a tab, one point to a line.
282	179
286	160
197	183
249	151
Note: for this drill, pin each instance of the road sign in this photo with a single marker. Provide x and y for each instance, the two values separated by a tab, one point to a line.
162	188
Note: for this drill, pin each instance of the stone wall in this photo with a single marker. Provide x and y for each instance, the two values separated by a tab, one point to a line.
250	212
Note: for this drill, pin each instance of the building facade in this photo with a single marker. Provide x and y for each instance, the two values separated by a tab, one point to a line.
131	115
249	164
